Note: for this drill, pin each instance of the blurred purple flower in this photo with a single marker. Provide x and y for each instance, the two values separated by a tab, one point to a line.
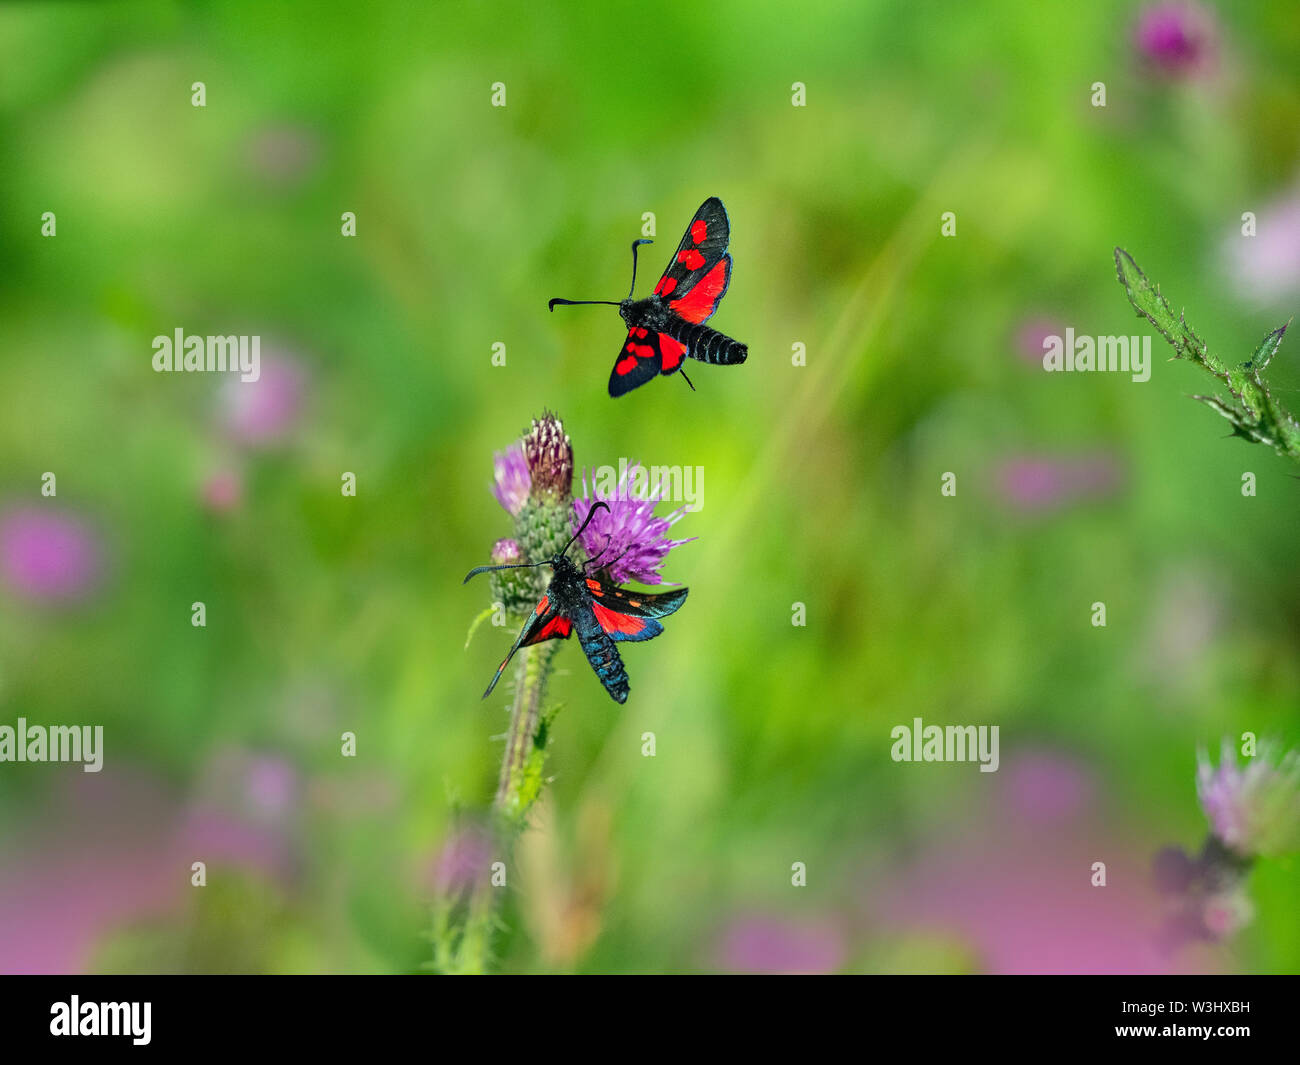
630	539
463	859
262	788
111	849
1207	894
1266	267
48	556
1030	337
511	481
760	944
1046	787
1007	887
1253	810
1038	484
1228	912
223	490
1177	39
266	410
1173	871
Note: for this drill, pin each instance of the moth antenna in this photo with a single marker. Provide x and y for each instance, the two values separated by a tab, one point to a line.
592	561
510	565
581	303
587	521
636	244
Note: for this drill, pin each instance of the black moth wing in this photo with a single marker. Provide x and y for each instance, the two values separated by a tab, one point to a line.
640	604
703	244
546	622
640	360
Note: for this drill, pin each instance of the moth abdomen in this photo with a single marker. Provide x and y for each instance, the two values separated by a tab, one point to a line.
705	344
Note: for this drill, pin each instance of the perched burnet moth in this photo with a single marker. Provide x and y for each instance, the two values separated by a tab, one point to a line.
602	613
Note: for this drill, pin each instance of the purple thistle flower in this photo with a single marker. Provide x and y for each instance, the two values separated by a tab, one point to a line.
1178	39
47	556
630	539
511	480
1255	809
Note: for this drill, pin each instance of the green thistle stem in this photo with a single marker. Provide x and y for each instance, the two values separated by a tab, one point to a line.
519	785
520	781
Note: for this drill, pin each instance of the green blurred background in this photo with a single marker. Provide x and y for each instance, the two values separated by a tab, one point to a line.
328	614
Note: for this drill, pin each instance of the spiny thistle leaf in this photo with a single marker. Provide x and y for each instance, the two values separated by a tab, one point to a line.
1254	413
1267	349
1150	304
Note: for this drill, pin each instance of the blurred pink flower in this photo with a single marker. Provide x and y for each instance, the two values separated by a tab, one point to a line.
1016	887
1030	336
1029	483
464	858
223	490
266	410
259	787
1265	268
1253	809
766	944
109	849
48	556
1177	39
1046	787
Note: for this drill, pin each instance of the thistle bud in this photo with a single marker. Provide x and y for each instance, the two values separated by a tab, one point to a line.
550	459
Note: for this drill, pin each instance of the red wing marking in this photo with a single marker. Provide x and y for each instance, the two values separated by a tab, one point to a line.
674	351
665	286
626	365
541	607
612	621
701	300
699	230
557	626
690	258
595	587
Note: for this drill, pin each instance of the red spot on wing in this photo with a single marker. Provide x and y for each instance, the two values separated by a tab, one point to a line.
595	587
701	300
541	607
645	351
674	351
690	258
699	230
613	621
639	332
625	366
560	627
665	286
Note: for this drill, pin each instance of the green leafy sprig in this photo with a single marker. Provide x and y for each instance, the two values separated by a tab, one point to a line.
1250	407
